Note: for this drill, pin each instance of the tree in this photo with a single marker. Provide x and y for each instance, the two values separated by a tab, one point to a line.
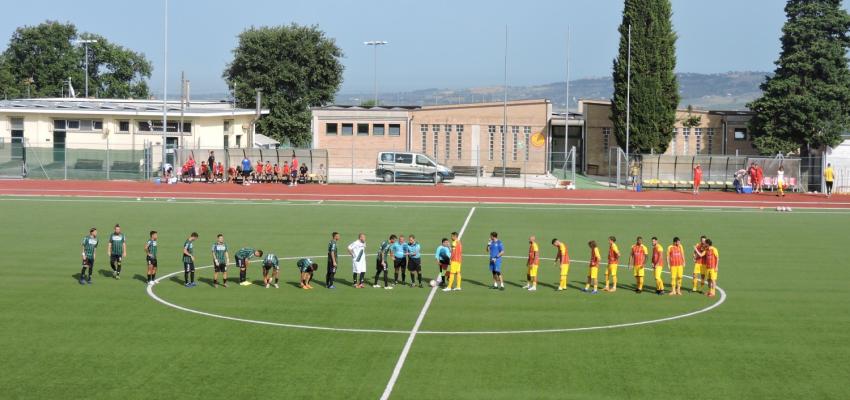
43	57
806	103
297	67
654	88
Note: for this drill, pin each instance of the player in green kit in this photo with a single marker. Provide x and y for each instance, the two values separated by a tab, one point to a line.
271	262
117	251
89	244
306	266
382	260
220	260
150	257
189	260
242	256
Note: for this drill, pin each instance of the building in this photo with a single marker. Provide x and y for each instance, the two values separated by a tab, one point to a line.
101	124
537	140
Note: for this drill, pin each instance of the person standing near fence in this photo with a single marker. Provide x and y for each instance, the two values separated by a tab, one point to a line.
780	181
759	179
246	171
697	178
294	170
211	164
829	178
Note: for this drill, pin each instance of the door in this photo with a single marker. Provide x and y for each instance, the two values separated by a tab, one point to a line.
425	168
17	138
404	166
171	144
59	147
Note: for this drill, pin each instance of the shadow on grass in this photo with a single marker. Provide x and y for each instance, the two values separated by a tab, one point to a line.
141	278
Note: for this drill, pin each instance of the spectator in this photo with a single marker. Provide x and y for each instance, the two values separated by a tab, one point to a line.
277	172
190	168
232	173
829	178
267	171
697	178
320	174
211	160
286	172
205	171
752	174
302	173
759	179
246	171
167	170
634	171
218	172
258	172
780	181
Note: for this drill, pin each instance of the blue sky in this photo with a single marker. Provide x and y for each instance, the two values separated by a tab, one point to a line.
435	43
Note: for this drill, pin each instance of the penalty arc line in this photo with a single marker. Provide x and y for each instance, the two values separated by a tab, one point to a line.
407	345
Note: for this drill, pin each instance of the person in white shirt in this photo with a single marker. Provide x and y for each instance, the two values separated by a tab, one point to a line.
780	181
357	250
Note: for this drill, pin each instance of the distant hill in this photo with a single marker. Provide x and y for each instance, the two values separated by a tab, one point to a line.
726	91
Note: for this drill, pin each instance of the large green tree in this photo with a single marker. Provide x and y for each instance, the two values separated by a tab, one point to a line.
40	58
654	88
806	103
297	67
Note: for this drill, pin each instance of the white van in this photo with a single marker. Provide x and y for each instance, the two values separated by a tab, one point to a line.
402	166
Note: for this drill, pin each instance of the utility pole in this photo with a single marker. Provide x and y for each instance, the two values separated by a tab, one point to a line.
375	44
505	111
165	89
85	43
628	93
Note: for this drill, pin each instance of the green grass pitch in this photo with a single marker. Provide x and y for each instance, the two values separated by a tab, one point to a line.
781	333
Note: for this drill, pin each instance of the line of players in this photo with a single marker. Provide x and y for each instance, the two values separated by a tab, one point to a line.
405	256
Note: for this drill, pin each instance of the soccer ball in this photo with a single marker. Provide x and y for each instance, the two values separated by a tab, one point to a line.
787	208
433	283
778	208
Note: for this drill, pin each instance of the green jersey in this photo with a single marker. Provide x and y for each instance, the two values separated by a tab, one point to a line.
219	252
89	245
384	250
305	265
189	247
151	245
271	261
116	243
245	253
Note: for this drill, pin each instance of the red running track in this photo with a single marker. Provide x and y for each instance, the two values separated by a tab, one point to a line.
411	193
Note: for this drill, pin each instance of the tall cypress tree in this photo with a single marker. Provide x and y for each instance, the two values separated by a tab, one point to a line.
806	104
654	88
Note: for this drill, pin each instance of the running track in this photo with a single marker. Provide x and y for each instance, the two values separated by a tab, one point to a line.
411	193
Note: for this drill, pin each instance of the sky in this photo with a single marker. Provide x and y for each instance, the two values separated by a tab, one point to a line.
432	44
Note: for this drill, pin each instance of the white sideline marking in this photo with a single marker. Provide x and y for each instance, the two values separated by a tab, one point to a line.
401	358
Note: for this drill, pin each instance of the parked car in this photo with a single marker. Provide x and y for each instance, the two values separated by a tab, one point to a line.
402	166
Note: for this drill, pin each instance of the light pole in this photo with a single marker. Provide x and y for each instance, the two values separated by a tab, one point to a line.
85	43
375	44
628	94
165	90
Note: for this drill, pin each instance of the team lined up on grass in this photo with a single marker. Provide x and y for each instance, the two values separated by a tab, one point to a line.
406	256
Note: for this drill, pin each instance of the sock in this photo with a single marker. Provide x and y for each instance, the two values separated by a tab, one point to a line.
148	278
215	281
419	278
186	277
112	265
614	279
224	280
404	277
192	275
395	276
587	286
451	281
385	278
153	276
362	277
354	278
119	268
563	282
276	281
459	280
242	276
377	276
83	273
640	283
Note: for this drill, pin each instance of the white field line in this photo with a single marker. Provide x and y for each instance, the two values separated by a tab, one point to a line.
403	357
417	204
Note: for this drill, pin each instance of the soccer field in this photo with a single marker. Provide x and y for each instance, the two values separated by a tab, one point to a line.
781	331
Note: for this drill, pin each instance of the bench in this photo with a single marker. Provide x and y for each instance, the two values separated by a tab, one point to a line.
84	163
125	166
461	170
509	172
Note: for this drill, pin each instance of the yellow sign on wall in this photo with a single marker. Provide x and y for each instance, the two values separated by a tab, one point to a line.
538	139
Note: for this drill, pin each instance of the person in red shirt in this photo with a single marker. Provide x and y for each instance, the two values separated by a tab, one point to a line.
277	173
267	171
759	179
205	171
637	259
219	172
658	265
613	264
232	173
294	170
712	259
286	172
697	178
593	271
258	172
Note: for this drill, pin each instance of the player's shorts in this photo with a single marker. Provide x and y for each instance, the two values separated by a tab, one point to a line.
677	272
188	266
115	258
151	261
88	262
241	263
400	263
267	267
532	271
219	266
454	267
414	265
658	270
712	273
698	268
611	270
593	272
639	272
444	267
496	267
379	267
565	269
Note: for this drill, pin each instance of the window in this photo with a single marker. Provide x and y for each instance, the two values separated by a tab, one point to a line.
395	130
686	134
238	141
378	129
123	126
448	145
502	142
710	140
228	125
17	130
347	129
459	130
145	126
527	132
362	129
82	125
59	124
74	124
436	130
606	138
422	160
740	134
515	134
698	136
330	129
423	129
404	158
85	125
491	131
675	140
387	157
